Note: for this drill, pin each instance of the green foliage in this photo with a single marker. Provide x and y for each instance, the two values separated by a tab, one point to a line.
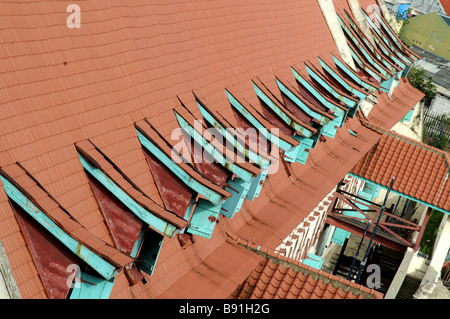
405	23
430	233
420	81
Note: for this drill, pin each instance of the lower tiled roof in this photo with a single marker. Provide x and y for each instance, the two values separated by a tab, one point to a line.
420	170
277	277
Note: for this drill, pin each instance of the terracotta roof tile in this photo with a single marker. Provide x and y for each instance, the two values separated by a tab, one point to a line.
420	170
278	277
129	62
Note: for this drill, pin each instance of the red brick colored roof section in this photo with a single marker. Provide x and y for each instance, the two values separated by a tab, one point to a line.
446	6
389	111
277	277
420	170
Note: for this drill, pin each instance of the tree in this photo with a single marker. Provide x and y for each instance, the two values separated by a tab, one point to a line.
420	81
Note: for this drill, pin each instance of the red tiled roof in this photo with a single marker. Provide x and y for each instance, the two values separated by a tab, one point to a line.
389	111
130	61
277	277
420	170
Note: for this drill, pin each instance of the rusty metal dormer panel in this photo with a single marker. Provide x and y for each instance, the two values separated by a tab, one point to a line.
121	186
54	237
204	210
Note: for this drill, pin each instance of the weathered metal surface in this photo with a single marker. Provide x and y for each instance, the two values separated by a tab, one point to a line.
294	109
338	80
216	173
315	93
123	224
91	287
50	257
256	186
348	72
204	218
387	62
278	115
264	131
103	267
397	42
330	124
304	149
239	189
175	194
210	161
402	55
330	90
146	216
240	146
252	137
275	119
191	182
403	63
363	49
361	64
323	120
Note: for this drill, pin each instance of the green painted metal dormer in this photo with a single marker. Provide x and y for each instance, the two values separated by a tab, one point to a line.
305	134
326	120
102	266
399	54
288	145
57	241
361	47
381	45
350	73
339	113
206	209
141	212
243	173
384	59
339	78
350	103
239	143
